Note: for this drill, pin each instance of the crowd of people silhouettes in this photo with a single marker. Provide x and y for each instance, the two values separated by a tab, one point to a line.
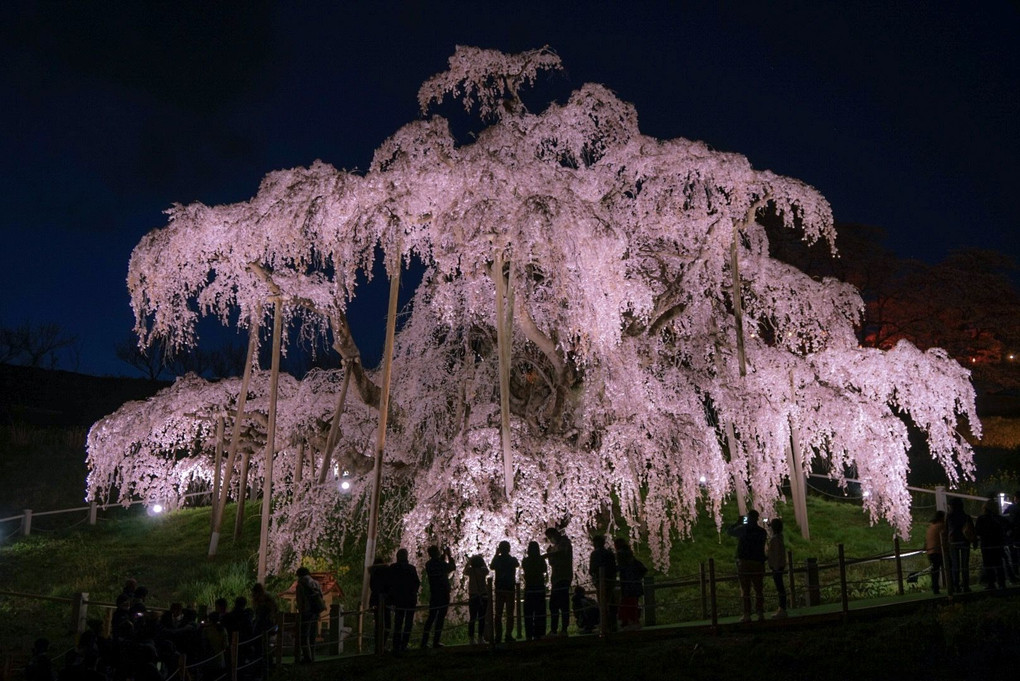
149	645
548	597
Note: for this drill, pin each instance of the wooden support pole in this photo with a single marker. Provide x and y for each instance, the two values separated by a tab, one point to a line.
267	477
217	463
738	307
798	480
235	436
380	444
299	464
504	344
334	425
242	495
739	483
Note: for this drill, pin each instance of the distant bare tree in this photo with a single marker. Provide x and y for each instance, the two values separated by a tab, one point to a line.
149	361
36	345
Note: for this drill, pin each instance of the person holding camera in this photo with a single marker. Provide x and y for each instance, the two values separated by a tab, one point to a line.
438	569
751	539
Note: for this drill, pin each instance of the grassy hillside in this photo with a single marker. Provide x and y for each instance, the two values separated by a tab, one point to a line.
168	555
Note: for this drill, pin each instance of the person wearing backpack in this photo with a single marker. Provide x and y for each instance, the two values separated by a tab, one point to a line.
310	605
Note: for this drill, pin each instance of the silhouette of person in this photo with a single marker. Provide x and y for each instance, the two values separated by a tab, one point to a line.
960	528
936	542
438	569
561	572
991	531
379	588
404	584
776	558
751	539
586	610
504	566
632	573
264	608
535	570
310	605
40	667
602	566
478	597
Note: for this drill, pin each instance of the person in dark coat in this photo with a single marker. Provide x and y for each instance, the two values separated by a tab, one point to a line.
379	595
632	587
535	569
751	539
438	569
403	588
310	605
960	528
504	567
561	572
991	532
602	570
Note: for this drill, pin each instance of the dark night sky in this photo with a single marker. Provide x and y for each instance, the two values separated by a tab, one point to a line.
905	116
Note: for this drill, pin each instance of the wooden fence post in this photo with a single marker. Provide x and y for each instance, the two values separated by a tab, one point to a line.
490	619
93	512
26	522
380	622
650	601
844	597
518	609
793	585
279	639
814	591
940	498
234	646
79	611
899	565
603	603
703	578
712	594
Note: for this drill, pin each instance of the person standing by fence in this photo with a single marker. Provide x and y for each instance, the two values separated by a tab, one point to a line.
478	597
535	570
751	538
632	573
960	527
438	569
561	568
991	531
310	605
776	558
936	541
504	566
379	596
404	584
602	570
